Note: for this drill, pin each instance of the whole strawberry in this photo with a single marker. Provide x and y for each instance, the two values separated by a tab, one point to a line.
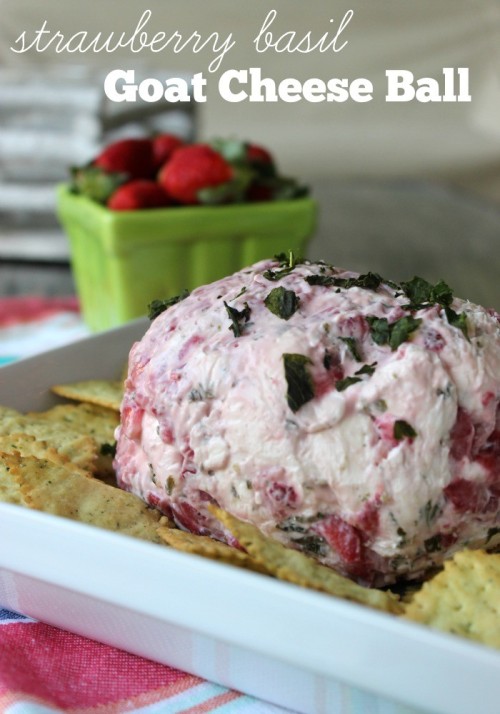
193	169
141	193
164	146
133	157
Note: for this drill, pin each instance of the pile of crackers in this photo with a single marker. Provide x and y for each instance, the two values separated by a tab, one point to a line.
60	461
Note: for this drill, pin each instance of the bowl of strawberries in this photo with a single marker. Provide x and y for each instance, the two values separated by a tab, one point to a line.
150	217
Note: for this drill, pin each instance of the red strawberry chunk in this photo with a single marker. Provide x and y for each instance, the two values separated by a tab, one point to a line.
462	436
467	496
343	538
187	517
282	495
368	519
433	340
489	456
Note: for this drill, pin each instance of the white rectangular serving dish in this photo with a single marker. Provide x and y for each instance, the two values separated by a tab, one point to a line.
299	649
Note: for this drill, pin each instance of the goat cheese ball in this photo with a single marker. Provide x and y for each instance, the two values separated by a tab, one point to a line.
347	416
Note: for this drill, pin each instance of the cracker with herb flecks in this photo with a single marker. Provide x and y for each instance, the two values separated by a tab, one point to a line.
28	445
90	420
10	490
51	488
295	567
73	443
463	599
209	548
101	392
98	422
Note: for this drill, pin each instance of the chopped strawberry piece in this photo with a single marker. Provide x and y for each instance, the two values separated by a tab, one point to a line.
282	494
186	516
343	538
487	398
368	519
462	436
188	345
384	424
489	456
433	340
131	419
467	496
161	504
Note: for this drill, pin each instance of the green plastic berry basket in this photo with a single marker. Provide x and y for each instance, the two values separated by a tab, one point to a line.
123	260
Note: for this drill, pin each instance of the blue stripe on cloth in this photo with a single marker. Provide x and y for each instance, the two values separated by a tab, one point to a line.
7	359
192	697
7	616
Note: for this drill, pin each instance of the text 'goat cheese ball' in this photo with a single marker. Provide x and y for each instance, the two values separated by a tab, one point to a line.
347	416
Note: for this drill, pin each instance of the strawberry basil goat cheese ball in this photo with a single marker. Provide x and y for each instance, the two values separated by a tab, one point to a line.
347	416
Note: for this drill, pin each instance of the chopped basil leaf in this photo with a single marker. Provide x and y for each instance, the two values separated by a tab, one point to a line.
288	259
325	280
242	291
423	294
312	544
367	369
108	449
282	302
492	532
368	281
293	524
170	485
156	307
429	513
353	347
342	384
402	537
299	381
286	262
401	330
403	430
433	544
393	334
237	317
379	329
457	320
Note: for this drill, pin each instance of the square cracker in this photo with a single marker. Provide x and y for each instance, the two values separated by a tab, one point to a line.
463	598
296	567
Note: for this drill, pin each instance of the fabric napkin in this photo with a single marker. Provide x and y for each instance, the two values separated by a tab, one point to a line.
44	669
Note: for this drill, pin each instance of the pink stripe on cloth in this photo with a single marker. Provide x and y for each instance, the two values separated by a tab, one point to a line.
15	310
211	704
58	668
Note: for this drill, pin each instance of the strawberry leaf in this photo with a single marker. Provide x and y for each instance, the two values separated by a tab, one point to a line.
95	183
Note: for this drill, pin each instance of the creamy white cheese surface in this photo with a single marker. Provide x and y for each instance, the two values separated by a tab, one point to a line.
343	415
